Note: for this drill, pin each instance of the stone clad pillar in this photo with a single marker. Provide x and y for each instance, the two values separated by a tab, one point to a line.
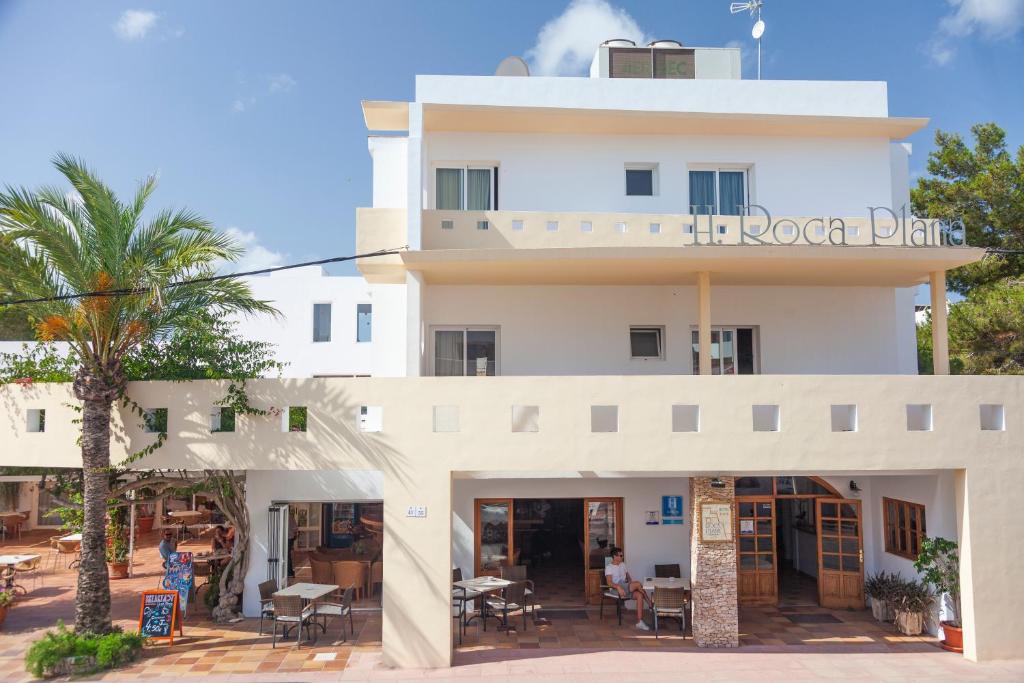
713	570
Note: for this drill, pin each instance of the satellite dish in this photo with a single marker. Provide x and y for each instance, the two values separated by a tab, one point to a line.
512	66
758	30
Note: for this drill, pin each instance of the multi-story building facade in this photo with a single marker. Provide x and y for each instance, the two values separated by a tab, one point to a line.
625	303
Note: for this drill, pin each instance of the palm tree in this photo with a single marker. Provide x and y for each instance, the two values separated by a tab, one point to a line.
56	244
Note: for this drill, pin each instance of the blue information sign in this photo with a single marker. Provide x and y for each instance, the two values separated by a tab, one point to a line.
671	509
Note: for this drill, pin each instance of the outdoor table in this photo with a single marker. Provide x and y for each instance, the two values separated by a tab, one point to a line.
186	516
310	592
72	537
10	561
483	585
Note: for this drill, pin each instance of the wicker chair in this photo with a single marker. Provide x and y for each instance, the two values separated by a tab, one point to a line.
267	590
335	607
70	548
376	576
667	571
518	573
512	599
322	571
670	603
350	573
290	613
29	568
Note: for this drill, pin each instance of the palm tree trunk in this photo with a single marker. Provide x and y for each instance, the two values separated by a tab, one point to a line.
92	604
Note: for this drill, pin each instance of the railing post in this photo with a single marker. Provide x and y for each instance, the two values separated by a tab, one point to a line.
940	332
704	321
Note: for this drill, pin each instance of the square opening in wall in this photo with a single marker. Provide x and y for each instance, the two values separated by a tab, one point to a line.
517	225
222	419
446	418
586	226
621	228
685	418
604	418
552	226
919	417
655	228
525	418
844	418
36	420
766	418
371	418
483	225
447	224
154	420
993	417
295	419
687	228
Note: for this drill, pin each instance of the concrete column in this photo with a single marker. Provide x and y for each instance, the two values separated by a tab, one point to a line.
713	571
940	333
414	329
416	595
704	321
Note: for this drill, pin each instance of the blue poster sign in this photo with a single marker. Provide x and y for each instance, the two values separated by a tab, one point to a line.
179	577
671	509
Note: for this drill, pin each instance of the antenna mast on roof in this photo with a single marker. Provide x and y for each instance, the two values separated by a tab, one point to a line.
758	30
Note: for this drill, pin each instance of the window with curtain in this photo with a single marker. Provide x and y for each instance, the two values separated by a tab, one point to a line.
702	192
465	352
321	322
730	193
479	189
449	189
721	192
364	322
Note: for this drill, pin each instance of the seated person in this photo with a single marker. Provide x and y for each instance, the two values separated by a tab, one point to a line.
230	538
620	581
220	543
168	545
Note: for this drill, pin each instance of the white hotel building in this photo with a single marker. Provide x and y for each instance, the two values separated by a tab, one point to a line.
584	322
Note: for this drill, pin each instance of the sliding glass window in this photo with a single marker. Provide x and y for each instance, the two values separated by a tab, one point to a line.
468	187
719	191
465	352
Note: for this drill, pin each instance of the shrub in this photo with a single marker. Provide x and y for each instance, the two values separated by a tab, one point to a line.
48	656
6	598
912	596
939	563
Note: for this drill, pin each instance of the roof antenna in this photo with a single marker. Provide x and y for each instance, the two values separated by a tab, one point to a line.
758	30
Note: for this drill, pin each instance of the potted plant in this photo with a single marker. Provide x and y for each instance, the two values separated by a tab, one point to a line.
117	544
145	513
6	601
910	600
879	588
939	565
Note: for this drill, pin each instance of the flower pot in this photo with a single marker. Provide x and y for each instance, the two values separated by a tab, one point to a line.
954	637
145	524
910	623
118	570
880	610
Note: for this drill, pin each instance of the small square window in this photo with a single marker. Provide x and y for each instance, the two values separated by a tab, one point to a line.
723	229
446	418
919	417
155	420
993	418
604	418
685	418
788	230
655	228
586	226
525	418
36	420
621	228
639	182
371	418
295	419
852	231
687	228
517	225
844	418
222	419
447	225
552	226
766	418
483	225
646	342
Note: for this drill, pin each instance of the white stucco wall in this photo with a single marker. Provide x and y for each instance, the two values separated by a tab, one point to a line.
390	171
579	330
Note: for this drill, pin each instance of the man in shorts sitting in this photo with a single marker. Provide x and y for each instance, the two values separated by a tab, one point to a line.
617	576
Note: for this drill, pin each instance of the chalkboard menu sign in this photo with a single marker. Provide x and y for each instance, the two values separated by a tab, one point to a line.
179	577
158	614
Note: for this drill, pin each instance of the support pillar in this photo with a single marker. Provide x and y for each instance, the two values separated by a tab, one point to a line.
713	570
704	321
940	332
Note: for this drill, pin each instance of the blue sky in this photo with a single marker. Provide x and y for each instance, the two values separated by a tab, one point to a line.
250	111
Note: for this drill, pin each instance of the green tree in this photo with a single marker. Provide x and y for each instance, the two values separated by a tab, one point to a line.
15	325
983	186
55	244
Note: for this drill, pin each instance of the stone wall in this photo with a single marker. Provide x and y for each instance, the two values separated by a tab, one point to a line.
713	572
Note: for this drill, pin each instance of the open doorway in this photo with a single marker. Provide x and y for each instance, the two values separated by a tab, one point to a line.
796	541
548	540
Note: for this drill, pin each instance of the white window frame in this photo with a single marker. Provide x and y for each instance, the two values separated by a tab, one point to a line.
660	329
312	320
632	166
746	170
465	167
433	329
755	338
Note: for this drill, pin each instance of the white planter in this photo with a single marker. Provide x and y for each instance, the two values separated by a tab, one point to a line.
880	610
910	623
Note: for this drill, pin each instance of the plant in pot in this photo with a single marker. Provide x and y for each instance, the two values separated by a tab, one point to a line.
939	565
117	544
6	602
910	601
146	513
879	587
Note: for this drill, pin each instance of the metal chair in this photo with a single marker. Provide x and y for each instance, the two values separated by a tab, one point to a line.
667	571
290	613
670	603
267	590
608	592
338	608
29	567
70	548
518	573
462	596
512	599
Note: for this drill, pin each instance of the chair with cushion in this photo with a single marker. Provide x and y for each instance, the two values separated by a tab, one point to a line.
322	571
290	613
518	573
335	606
267	590
610	594
512	599
350	573
27	569
71	548
667	571
670	603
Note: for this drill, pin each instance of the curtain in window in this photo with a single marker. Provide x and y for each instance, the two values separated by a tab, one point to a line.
448	358
730	193
321	322
482	352
702	192
479	189
449	189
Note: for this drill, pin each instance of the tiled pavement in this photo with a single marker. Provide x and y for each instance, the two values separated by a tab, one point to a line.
573	649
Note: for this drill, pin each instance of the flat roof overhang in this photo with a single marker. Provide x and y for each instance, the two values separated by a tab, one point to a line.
801	265
394	116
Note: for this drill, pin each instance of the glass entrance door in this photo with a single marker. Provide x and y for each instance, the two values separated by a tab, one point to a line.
493	535
757	582
603	530
840	554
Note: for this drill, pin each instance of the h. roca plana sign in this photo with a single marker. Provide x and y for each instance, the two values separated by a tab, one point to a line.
881	227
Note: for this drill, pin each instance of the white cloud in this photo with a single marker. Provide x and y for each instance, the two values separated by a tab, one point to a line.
565	45
280	83
134	24
256	255
989	19
277	84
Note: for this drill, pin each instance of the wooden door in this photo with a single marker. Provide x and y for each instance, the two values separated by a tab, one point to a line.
602	529
756	573
840	553
493	521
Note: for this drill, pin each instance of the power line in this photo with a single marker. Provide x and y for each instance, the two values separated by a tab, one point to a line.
210	278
